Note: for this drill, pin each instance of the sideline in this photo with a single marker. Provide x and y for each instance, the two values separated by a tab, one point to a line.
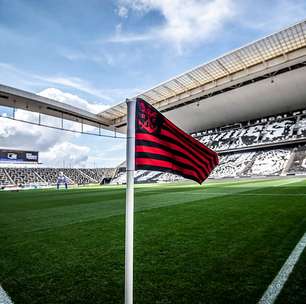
278	283
4	298
246	194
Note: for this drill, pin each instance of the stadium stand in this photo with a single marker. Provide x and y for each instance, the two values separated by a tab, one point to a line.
278	130
120	178
50	175
143	176
301	128
27	176
233	165
148	177
168	177
22	176
97	175
264	147
268	146
93	176
283	128
102	173
76	176
270	162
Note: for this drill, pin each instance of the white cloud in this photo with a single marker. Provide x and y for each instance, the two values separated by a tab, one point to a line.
185	21
97	57
129	37
66	153
120	37
15	134
112	154
122	11
73	100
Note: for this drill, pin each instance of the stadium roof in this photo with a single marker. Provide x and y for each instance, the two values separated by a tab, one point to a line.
15	98
265	77
254	57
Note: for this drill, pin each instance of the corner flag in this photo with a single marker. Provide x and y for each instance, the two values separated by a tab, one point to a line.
155	143
162	146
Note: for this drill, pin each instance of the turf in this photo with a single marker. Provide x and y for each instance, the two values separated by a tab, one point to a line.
222	242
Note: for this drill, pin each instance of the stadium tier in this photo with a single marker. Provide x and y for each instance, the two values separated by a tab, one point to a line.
273	130
21	176
268	146
49	176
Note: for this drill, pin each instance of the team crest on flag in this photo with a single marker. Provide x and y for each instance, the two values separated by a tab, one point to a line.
162	146
147	118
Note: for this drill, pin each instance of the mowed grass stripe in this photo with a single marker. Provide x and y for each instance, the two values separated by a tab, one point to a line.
219	249
90	206
98	204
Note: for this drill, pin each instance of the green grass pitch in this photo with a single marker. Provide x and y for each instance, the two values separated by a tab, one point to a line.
222	242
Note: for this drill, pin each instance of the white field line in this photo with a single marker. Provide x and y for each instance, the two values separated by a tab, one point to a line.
278	283
248	194
4	298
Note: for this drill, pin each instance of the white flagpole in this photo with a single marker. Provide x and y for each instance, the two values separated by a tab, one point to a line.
129	209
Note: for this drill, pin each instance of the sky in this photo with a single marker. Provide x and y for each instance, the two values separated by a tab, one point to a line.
95	53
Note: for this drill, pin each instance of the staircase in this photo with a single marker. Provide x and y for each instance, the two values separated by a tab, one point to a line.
248	166
9	177
87	176
39	176
289	163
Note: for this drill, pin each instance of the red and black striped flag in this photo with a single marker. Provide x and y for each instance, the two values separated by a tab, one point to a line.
162	146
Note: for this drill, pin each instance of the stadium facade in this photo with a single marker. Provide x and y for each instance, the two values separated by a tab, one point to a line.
249	105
